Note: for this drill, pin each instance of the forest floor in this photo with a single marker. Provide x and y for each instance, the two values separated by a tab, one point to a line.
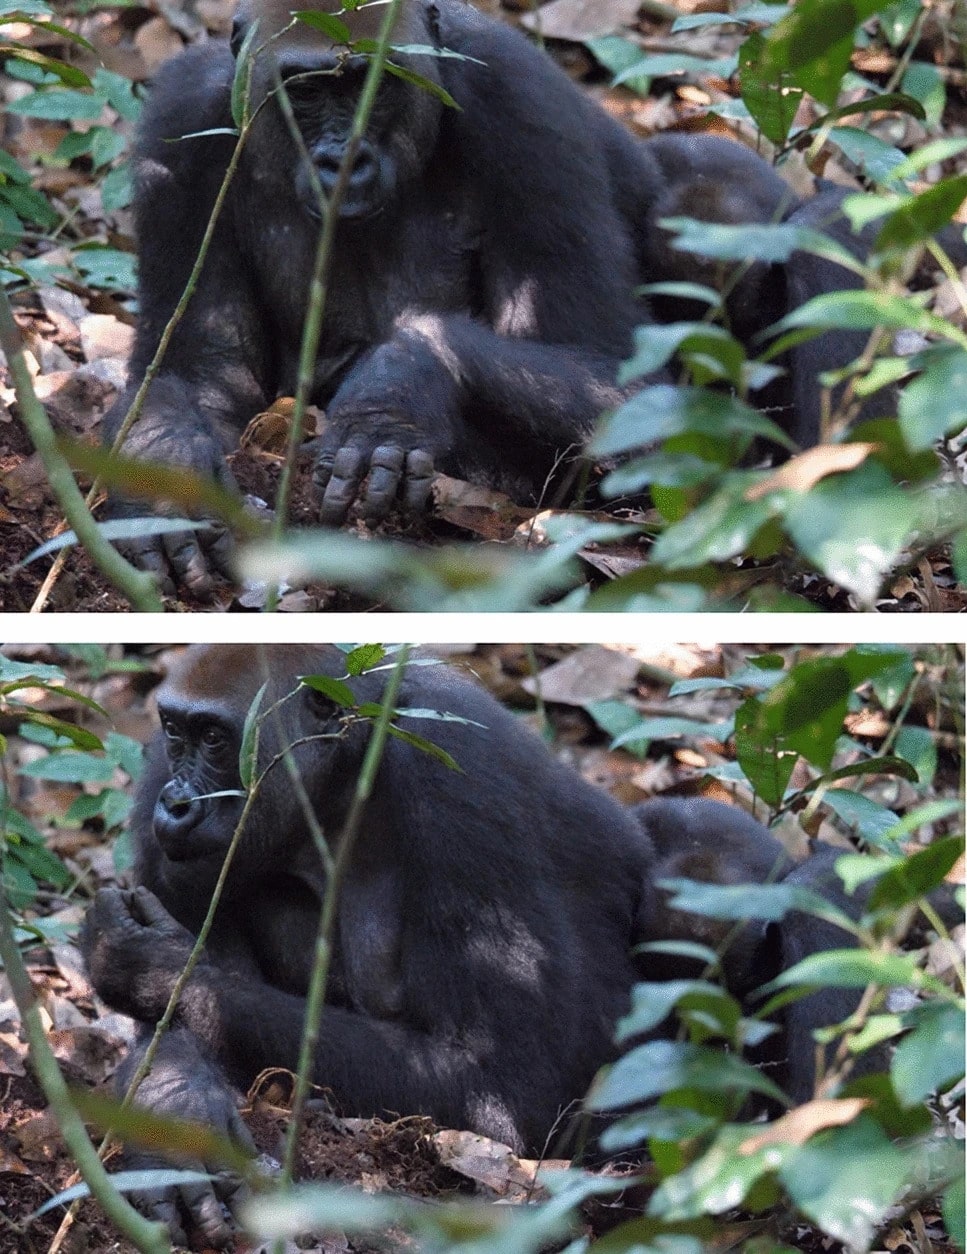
409	1156
79	337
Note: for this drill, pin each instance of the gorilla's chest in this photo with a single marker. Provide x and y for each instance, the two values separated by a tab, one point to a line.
418	257
364	971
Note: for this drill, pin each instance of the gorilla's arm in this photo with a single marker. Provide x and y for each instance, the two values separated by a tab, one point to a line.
215	374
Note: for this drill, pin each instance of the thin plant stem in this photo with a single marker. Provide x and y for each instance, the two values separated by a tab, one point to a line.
154	366
327	916
149	1237
318	287
137	586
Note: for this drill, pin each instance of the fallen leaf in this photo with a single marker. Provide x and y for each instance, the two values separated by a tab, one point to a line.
805	1121
801	473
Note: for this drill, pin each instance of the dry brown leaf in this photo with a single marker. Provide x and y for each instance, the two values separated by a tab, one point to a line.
800	1124
594	673
578	20
803	472
493	1165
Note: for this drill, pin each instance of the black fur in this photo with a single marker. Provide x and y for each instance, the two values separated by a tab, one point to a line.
482	291
484	946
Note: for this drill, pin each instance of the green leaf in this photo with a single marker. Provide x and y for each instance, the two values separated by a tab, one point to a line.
934	404
662	1123
336	690
720	1179
126	752
771	242
862	815
652	1003
924	83
853	526
242	77
117	192
851	968
930	154
671	728
921	217
69	75
719	529
931	1057
425	746
438	716
767	90
420	80
330	26
845	1179
618	54
865	311
615	718
659	1067
249	748
364	658
890	684
874	156
761	752
57	105
22	673
770	902
917	874
666	64
954	1211
918	747
70	768
814	43
80	737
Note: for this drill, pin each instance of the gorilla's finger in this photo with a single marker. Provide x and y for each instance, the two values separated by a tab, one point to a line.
347	474
147	554
147	909
107	910
232	1191
219	546
206	1211
419	479
385	473
239	1133
322	471
188	563
162	1208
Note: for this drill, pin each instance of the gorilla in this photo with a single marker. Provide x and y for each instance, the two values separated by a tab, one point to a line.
487	923
482	289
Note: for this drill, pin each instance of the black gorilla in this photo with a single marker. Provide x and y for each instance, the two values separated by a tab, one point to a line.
485	932
482	289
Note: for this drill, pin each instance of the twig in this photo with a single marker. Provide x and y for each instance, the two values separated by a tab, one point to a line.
137	586
149	1237
318	287
327	917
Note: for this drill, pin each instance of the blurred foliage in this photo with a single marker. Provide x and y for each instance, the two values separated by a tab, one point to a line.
72	754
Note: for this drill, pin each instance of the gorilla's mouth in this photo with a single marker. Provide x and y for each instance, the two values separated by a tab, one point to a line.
192	846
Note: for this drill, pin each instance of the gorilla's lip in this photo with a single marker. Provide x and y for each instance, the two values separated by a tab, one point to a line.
192	847
350	211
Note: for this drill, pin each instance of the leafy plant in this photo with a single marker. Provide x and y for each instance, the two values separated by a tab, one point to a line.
74	755
63	93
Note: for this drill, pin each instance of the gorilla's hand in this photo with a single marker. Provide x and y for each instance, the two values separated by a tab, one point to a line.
185	560
389	425
185	1084
134	951
392	472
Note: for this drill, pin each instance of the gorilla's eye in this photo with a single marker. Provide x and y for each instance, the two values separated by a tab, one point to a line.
213	737
170	729
321	707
